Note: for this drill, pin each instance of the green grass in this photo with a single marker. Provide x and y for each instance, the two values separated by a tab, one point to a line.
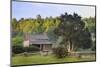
38	59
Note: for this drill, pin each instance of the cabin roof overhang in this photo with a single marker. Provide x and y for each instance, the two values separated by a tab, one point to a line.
40	42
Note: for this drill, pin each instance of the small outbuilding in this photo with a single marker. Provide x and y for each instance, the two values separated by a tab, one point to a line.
39	40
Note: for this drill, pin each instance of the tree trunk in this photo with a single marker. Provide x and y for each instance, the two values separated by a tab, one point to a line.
69	45
72	48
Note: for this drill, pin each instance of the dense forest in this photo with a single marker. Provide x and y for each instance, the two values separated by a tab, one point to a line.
70	30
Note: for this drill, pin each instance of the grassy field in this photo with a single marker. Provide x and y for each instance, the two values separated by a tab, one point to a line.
38	59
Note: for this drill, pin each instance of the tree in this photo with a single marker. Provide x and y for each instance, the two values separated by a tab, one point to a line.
60	52
73	31
90	24
14	24
17	40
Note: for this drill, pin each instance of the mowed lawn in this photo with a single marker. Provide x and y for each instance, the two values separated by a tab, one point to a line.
38	59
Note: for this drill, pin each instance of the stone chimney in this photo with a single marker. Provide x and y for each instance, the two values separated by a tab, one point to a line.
26	40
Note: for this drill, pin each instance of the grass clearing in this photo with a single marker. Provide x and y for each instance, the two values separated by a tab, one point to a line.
38	59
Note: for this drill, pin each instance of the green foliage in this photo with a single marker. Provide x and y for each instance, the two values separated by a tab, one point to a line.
17	49
31	49
90	24
14	24
84	39
60	52
38	25
73	31
17	40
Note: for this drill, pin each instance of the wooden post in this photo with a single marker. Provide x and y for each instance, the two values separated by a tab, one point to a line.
40	47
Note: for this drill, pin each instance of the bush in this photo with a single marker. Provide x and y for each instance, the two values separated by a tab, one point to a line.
17	40
31	49
60	52
20	49
17	49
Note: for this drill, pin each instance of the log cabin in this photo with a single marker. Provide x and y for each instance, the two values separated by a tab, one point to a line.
39	40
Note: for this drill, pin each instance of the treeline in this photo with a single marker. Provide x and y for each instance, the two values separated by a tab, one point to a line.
38	25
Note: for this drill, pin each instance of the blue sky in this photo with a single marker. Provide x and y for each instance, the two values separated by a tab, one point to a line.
30	10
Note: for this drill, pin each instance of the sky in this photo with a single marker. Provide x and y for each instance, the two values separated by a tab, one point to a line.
31	10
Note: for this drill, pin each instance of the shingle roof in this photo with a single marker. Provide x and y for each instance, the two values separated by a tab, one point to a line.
39	39
38	42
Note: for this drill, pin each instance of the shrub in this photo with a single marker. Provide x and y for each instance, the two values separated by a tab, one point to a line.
60	52
31	49
17	49
17	40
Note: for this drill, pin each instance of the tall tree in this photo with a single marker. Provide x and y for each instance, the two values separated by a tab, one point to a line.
73	32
